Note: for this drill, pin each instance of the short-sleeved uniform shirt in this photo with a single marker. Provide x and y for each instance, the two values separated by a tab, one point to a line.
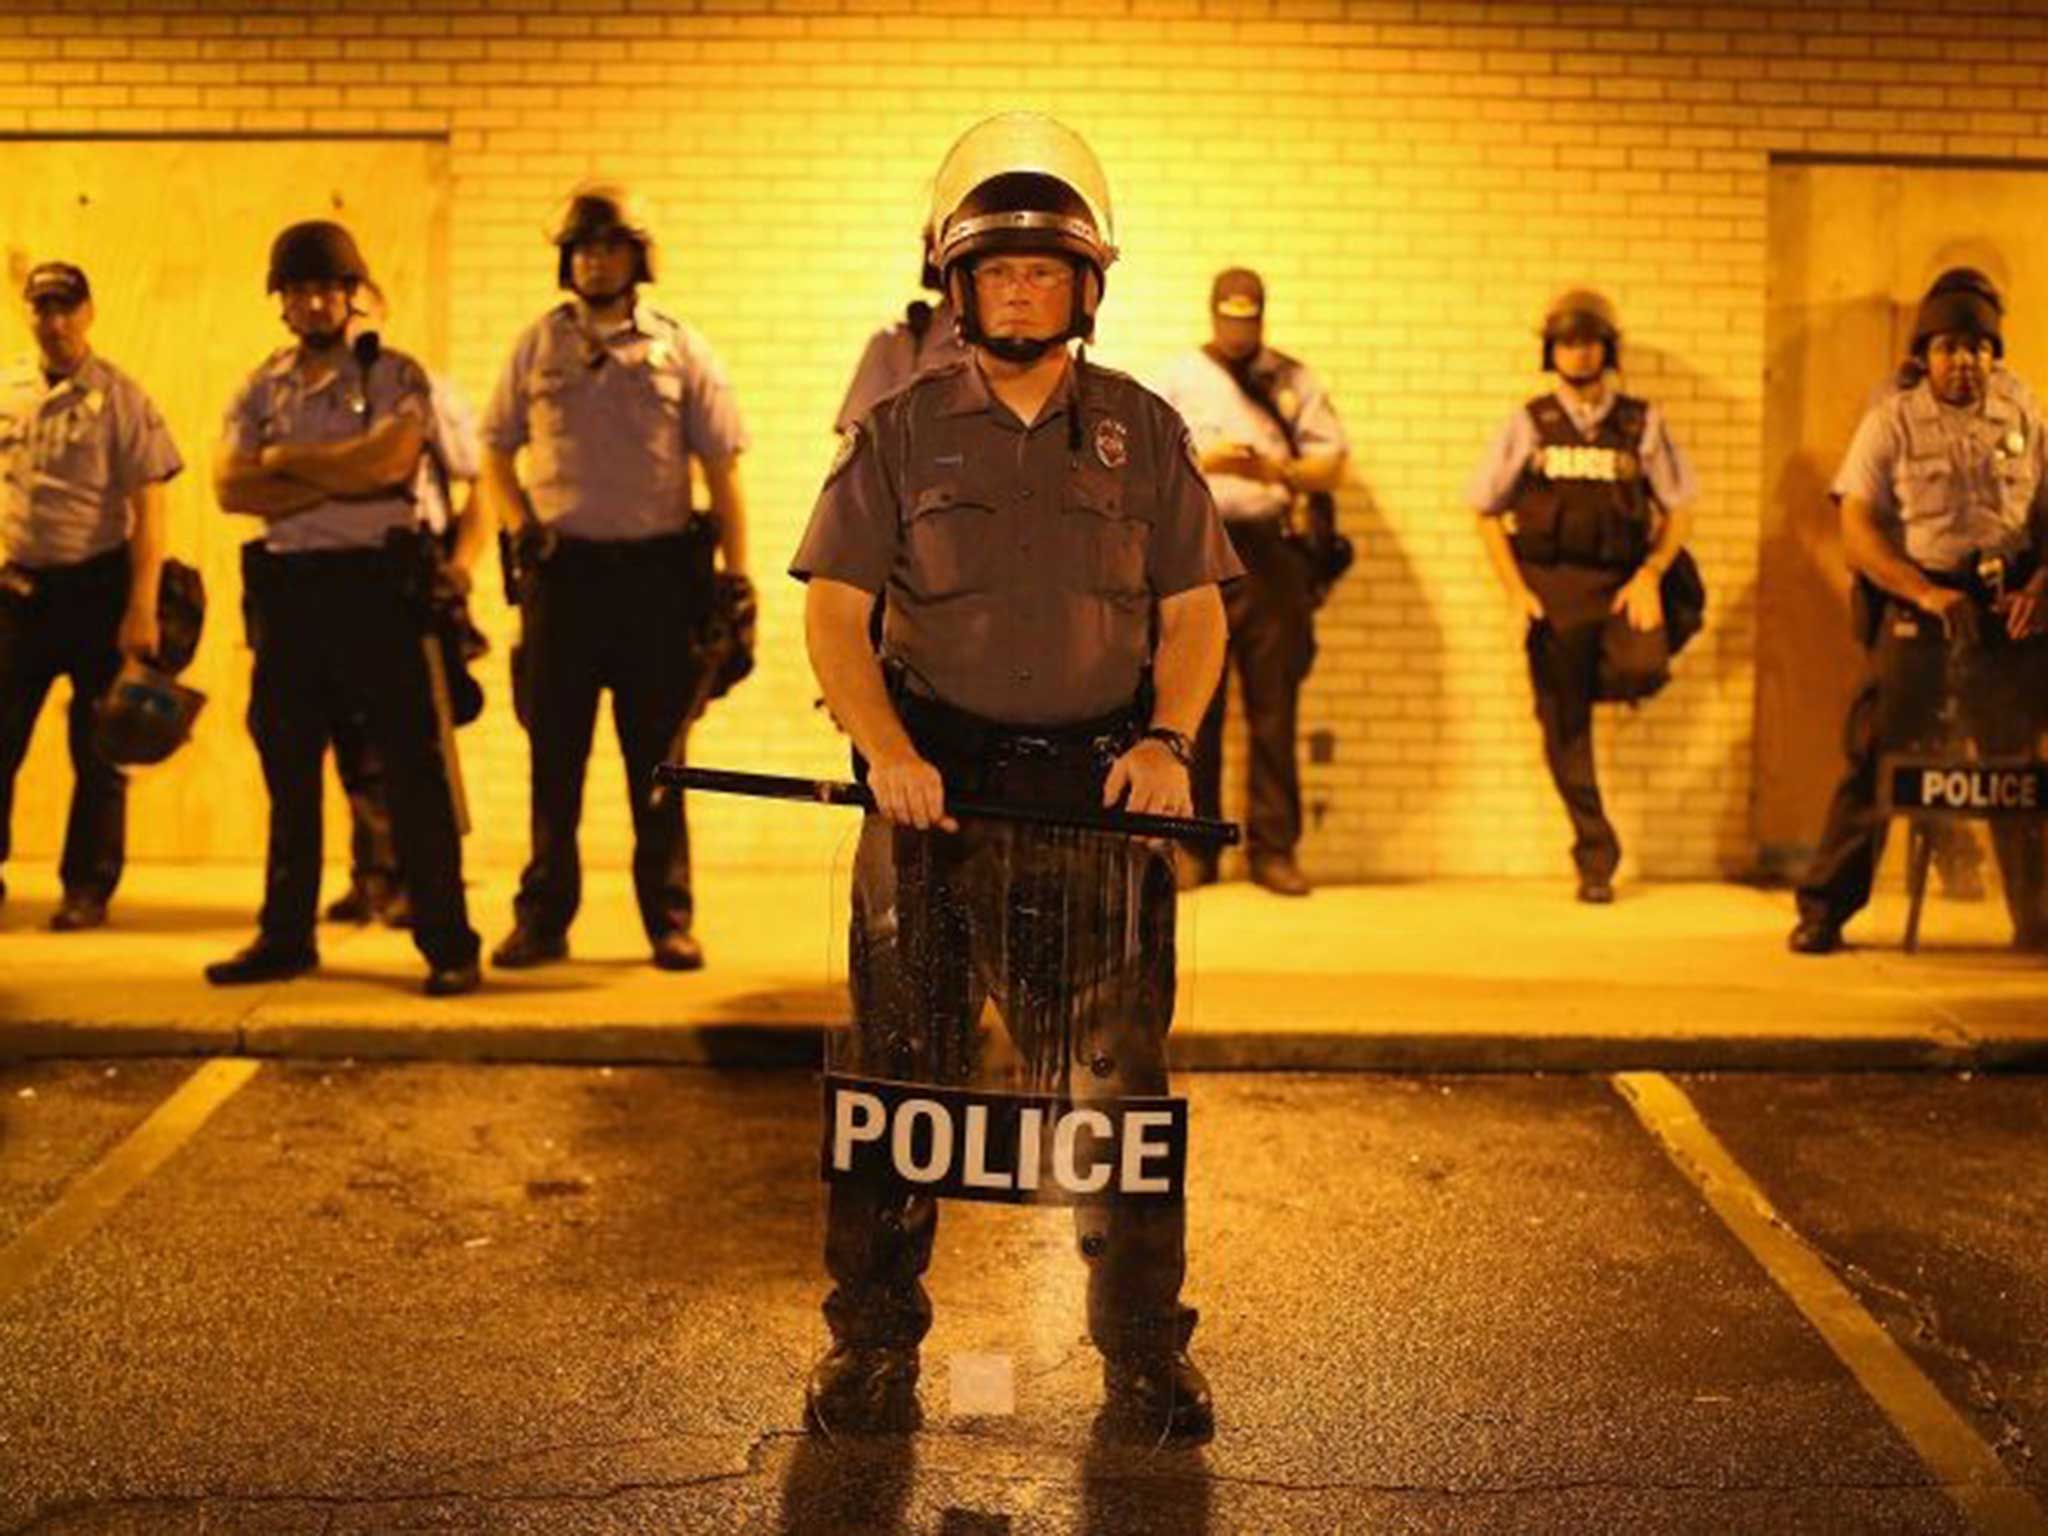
453	446
896	356
1020	572
1952	482
279	404
1491	490
72	454
611	422
1217	410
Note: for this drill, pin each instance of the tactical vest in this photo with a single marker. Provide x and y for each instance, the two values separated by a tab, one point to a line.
1584	501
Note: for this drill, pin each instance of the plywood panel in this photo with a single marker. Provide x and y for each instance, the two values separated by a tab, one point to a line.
175	235
1851	250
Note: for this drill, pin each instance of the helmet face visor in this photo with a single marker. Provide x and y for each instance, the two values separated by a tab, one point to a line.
1023	148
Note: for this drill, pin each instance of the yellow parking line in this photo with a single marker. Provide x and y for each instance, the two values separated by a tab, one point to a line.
1968	1470
93	1198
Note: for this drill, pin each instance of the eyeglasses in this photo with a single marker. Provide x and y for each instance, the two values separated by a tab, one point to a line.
1039	276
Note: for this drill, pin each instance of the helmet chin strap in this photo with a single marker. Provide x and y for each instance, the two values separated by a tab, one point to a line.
1582	380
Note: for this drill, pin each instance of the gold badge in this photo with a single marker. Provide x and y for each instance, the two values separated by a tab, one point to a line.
1289	403
2015	443
1112	443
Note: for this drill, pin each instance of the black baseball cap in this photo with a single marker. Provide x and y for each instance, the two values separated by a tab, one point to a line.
1237	294
57	280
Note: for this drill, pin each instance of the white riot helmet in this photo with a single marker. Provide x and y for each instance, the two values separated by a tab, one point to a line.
1022	182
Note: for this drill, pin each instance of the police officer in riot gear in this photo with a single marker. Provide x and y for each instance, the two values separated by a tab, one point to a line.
610	401
1028	517
1583	506
1944	498
84	456
321	445
1269	438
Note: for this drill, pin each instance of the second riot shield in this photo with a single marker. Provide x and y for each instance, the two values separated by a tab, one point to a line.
1002	1154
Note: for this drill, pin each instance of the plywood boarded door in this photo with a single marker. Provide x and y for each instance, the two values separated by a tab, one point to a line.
1852	248
175	235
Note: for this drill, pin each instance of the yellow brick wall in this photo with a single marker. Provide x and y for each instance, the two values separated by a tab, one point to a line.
1413	179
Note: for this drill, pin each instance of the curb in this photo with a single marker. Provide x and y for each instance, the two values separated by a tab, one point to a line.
787	1046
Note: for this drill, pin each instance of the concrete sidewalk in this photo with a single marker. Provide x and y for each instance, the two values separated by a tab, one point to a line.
1452	976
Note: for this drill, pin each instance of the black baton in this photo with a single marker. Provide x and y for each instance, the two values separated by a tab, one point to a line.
775	786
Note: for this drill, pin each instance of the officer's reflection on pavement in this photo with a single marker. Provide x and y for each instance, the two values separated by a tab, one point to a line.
855	1483
1129	1491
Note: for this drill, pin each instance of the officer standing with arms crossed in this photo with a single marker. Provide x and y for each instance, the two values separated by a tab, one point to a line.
323	447
84	457
611	400
1028	518
1583	505
1268	434
1944	497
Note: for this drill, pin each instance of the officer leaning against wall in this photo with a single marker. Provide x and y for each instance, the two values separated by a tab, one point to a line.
85	457
610	399
1945	514
323	447
1268	436
1582	504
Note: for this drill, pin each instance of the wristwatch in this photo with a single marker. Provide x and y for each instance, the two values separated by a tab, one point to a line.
1179	743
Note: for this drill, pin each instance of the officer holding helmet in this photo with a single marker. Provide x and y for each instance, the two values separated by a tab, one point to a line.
322	446
1031	521
610	401
1944	498
84	457
1583	506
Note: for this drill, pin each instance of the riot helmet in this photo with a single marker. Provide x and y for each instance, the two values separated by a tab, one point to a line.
315	251
1022	182
144	716
602	211
1581	314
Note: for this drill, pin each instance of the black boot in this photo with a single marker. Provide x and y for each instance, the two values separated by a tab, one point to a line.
1160	1399
863	1391
267	959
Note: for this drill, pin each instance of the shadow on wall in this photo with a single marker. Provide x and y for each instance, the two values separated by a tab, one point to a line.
1380	668
1660	764
1355	709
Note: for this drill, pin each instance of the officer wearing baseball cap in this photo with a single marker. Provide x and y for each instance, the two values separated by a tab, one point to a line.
1272	450
84	457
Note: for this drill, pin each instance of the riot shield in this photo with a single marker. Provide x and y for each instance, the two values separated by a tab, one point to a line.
1011	988
1011	991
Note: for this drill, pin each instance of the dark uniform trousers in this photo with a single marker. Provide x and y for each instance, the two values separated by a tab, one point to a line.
621	616
335	635
1072	935
1580	653
372	848
1272	641
2000	698
66	626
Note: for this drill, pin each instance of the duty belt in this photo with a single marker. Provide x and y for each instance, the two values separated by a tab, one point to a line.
1987	577
943	731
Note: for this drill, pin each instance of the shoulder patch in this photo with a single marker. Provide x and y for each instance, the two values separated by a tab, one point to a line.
850	442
